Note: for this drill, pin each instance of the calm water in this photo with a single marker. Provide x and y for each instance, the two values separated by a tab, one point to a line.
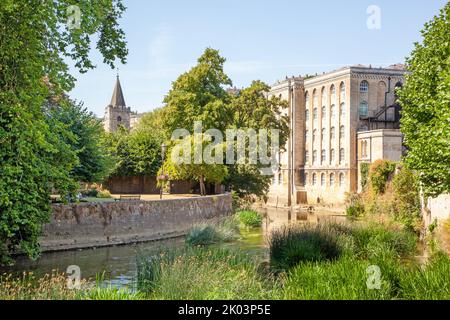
118	264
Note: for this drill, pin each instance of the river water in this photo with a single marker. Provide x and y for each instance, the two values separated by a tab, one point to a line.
117	264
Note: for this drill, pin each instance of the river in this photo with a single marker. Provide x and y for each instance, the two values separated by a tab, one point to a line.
117	264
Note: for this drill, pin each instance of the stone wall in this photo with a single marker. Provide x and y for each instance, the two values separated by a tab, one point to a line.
85	225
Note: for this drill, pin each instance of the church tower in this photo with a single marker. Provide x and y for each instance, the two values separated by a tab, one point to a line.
117	113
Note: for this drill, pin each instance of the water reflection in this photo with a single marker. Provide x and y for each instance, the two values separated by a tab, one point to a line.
118	264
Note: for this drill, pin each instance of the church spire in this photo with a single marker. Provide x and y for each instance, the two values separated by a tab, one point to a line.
117	99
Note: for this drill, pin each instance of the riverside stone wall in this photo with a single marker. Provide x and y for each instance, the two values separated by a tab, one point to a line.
86	225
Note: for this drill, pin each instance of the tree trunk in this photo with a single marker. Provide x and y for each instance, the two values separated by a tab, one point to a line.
202	185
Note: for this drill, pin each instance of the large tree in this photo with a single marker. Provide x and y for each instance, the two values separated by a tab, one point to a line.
425	101
37	37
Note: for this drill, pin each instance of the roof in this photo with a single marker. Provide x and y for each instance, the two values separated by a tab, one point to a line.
117	99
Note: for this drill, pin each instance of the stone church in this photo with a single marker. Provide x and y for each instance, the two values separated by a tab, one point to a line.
338	120
117	113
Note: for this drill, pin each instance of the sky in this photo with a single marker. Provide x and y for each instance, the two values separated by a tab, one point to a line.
265	40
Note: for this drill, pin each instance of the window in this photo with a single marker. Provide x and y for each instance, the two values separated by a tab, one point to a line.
342	91
341	155
280	177
332	133
333	111
323	135
306	156
342	132
314	182
333	92
332	155
364	86
119	119
323	156
307	114
363	109
324	95
306	134
307	98
315	113
342	110
364	149
324	112
314	156
322	179
341	179
306	179
314	135
315	98
331	179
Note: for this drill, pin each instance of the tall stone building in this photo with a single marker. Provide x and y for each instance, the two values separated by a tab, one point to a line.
338	120
117	113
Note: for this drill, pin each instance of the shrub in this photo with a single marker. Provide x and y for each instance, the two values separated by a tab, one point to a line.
249	218
104	194
379	174
291	245
354	205
364	170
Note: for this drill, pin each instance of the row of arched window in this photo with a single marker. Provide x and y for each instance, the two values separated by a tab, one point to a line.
342	112
323	156
323	177
323	134
342	93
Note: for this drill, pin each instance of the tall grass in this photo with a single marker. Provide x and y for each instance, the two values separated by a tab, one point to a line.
226	230
249	218
203	273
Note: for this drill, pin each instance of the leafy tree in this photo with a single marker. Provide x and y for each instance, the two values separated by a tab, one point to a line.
35	43
87	140
425	101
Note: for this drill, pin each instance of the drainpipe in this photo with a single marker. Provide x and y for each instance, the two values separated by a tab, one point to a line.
385	100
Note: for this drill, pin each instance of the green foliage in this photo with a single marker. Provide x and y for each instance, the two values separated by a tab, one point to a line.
104	194
293	244
379	173
35	43
249	218
203	274
226	230
354	205
425	101
364	171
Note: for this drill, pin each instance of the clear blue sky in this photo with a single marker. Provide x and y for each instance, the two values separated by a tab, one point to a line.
260	39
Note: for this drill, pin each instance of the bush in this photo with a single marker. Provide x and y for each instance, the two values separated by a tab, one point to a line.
354	205
379	174
249	218
105	194
364	171
294	244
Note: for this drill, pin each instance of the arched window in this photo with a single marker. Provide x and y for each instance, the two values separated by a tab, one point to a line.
314	135
332	155
364	148
342	132
322	179
314	181
324	95
314	156
306	179
333	92
333	111
306	134
342	91
363	109
306	114
307	98
315	113
342	110
323	135
341	179
315	98
331	179
341	155
324	112
381	93
364	86
119	119
332	133
306	156
323	156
